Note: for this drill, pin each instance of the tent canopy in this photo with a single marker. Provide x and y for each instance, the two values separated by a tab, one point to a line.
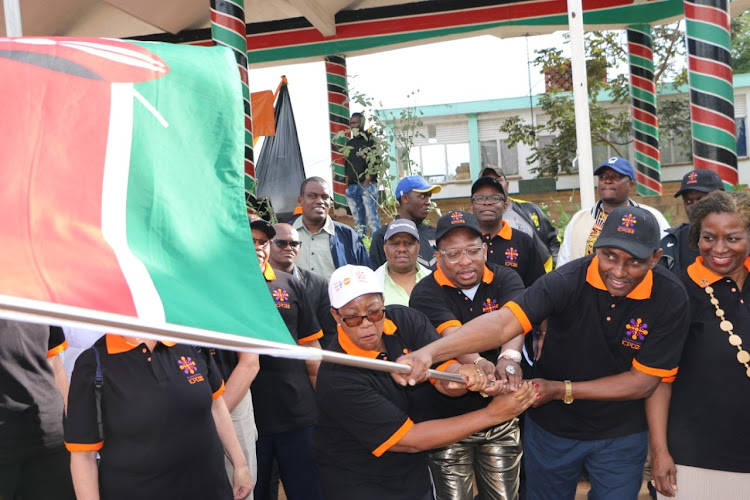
283	31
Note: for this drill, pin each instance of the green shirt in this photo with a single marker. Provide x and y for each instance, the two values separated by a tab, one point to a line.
395	294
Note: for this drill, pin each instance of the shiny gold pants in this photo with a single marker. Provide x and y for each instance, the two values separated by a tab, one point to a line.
493	456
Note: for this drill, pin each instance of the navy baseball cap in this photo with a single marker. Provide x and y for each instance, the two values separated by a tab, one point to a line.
397	226
701	180
619	165
456	220
415	183
488	181
261	225
631	229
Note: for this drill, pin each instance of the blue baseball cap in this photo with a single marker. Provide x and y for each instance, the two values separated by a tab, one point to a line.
414	183
619	165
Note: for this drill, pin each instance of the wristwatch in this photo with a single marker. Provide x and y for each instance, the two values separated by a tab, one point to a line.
568	397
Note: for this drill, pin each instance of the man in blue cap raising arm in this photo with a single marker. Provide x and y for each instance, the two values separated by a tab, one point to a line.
616	328
616	180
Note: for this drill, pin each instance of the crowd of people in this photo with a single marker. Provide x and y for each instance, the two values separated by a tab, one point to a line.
620	347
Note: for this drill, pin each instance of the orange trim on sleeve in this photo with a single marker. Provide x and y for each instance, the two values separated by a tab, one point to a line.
656	372
442	368
520	315
78	447
448	324
395	438
315	336
58	349
219	391
668	380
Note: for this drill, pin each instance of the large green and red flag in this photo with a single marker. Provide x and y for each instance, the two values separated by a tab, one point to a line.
121	185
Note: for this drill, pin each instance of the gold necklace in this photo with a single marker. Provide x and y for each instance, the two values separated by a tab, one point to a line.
742	355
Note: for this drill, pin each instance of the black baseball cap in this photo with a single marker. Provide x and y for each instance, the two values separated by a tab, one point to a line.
261	225
456	220
631	229
701	180
488	181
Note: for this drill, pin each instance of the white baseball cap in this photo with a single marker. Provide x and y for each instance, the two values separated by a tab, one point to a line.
349	282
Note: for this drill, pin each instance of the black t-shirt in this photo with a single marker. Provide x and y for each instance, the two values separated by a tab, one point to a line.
356	159
708	424
591	334
363	413
515	250
31	407
160	439
283	396
446	306
426	255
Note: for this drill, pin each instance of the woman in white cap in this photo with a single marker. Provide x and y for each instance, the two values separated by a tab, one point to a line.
368	434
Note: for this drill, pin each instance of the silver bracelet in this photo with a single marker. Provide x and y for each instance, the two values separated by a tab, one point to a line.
510	354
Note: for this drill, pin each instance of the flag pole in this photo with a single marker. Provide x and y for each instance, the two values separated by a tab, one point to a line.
12	12
33	311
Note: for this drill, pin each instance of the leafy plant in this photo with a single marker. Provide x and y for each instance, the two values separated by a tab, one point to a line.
606	56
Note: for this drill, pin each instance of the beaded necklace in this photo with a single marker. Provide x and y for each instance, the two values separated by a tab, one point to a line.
743	357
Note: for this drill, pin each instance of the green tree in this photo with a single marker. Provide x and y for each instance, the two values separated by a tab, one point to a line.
607	78
387	129
741	43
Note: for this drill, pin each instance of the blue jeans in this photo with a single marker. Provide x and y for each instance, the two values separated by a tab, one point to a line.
553	465
293	452
363	202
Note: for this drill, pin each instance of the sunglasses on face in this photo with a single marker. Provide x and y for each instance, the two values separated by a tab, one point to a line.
287	243
357	319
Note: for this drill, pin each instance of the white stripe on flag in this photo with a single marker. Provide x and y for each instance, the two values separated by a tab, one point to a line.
148	304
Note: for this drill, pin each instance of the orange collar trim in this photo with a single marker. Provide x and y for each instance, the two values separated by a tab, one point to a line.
389	328
640	292
487	276
268	273
117	344
703	276
506	232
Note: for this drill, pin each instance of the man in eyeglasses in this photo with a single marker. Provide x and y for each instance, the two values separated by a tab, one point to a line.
401	271
285	247
616	180
463	287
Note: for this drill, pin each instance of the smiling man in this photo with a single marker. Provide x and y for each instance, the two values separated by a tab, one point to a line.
616	328
616	180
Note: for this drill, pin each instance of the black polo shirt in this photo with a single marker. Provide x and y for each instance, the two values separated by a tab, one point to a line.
447	306
160	439
515	250
708	427
283	396
363	413
426	255
31	407
591	334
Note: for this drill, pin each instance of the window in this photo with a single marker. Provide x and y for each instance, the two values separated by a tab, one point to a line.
508	156
741	136
675	149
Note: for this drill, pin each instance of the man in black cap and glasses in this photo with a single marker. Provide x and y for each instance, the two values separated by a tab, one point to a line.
616	328
696	185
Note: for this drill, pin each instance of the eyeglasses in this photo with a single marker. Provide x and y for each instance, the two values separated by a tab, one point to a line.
494	199
264	242
357	319
612	176
454	255
287	243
